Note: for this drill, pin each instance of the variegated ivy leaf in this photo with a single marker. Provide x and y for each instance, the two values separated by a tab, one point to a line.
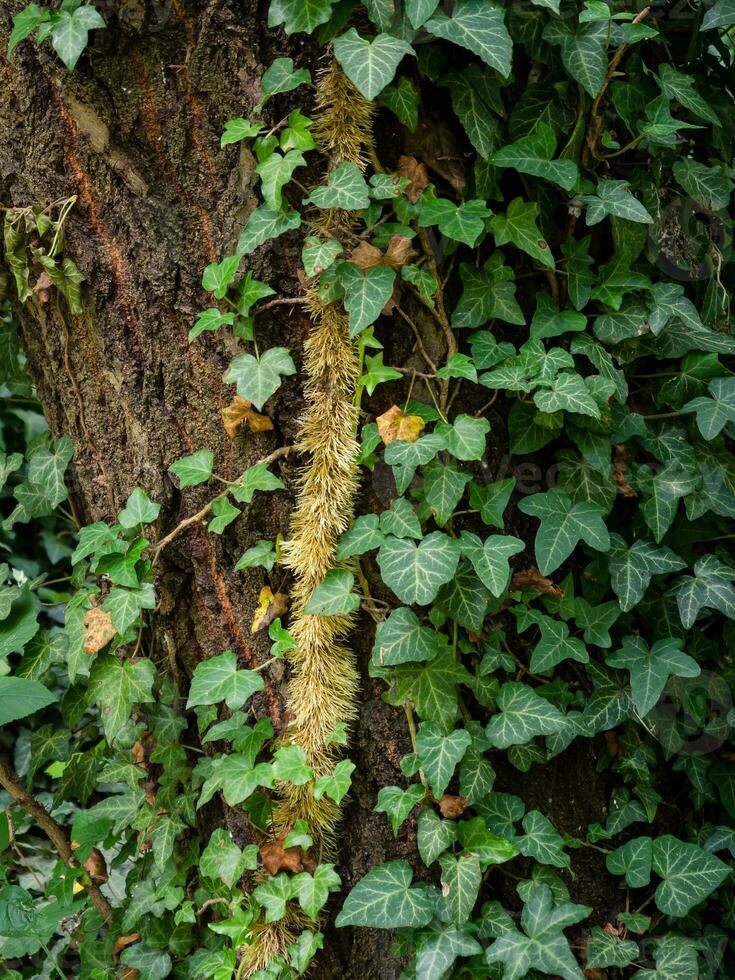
258	377
522	715
567	392
275	172
437	951
475	92
364	535
397	803
370	65
542	841
556	645
461	222
385	899
443	489
479	26
434	835
605	950
488	294
345	188
403	100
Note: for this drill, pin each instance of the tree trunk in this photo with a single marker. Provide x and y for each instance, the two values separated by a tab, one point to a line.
133	133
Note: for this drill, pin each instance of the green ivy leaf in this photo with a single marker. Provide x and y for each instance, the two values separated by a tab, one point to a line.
401	638
461	222
319	254
263	224
289	765
632	568
194	469
115	686
555	646
219	679
370	65
488	294
415	573
522	715
532	154
334	596
366	293
479	26
403	100
689	874
613	197
518	226
563	524
650	668
440	754
385	899
434	835
70	31
299	16
709	588
20	697
490	558
312	891
397	803
461	879
258	377
336	784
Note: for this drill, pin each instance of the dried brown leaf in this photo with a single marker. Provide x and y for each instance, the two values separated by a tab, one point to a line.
411	169
275	857
531	578
452	806
270	606
394	424
98	630
240	411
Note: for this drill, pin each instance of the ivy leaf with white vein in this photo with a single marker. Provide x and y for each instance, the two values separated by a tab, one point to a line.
416	573
334	596
366	293
690	874
613	197
219	679
370	65
479	26
258	377
650	668
345	188
532	154
401	638
631	568
299	16
709	588
715	410
555	646
522	715
386	899
518	226
263	224
440	753
490	558
461	878
568	392
563	525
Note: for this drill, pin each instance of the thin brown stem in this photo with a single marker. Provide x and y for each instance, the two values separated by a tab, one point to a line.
201	514
11	784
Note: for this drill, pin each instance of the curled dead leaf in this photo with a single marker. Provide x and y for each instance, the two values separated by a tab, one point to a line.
240	411
611	744
416	172
452	806
366	256
394	424
96	867
98	630
399	251
122	941
435	144
275	857
531	578
620	471
43	286
270	606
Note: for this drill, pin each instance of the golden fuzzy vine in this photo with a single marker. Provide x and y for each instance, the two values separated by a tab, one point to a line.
323	685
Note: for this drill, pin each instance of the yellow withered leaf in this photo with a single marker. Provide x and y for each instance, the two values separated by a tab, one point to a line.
270	606
98	630
241	410
395	424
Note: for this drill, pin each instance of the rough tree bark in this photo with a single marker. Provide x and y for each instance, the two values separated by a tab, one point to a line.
133	132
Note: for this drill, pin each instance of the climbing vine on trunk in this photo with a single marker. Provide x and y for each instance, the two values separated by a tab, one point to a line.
514	469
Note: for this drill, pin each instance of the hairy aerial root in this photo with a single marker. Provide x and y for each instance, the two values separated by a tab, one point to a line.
323	686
